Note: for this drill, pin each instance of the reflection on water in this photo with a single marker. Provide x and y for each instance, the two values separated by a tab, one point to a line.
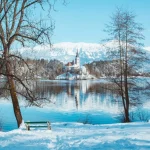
72	101
78	95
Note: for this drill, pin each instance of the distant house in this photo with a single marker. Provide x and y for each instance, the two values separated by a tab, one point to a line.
74	65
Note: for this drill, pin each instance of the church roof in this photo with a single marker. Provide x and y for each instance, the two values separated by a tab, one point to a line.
69	64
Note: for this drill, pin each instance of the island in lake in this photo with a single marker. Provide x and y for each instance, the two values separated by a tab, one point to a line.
74	71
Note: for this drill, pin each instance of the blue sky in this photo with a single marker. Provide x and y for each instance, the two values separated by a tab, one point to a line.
85	20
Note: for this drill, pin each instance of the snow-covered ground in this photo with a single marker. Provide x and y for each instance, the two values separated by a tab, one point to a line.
71	136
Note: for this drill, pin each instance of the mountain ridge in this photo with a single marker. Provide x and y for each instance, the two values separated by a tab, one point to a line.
66	51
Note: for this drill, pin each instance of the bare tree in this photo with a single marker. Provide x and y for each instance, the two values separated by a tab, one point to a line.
126	55
17	24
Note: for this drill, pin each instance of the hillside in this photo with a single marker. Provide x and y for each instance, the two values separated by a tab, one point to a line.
93	55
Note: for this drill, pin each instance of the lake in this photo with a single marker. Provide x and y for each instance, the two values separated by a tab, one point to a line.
87	101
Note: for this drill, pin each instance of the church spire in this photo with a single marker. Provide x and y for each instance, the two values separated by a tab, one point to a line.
77	54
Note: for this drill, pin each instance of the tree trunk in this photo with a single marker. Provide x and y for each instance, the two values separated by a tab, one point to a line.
15	102
127	119
12	90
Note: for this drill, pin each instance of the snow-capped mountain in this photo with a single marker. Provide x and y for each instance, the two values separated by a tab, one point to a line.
66	51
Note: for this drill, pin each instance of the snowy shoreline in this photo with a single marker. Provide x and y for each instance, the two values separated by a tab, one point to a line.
66	136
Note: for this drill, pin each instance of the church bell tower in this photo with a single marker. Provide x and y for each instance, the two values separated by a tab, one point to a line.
77	59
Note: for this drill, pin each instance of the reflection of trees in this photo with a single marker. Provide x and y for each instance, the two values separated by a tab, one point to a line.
79	92
46	89
102	88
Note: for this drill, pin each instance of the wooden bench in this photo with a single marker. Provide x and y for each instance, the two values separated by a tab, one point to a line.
38	124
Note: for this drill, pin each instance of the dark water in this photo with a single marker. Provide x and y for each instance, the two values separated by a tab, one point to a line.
68	101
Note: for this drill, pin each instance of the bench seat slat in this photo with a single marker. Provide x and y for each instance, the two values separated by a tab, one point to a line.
36	122
37	126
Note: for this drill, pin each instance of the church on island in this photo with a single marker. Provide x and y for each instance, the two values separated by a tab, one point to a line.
74	65
74	71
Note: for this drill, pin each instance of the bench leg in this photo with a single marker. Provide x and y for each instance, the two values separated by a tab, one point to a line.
48	125
27	127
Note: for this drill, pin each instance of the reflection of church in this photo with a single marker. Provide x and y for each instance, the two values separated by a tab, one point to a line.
78	92
74	65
